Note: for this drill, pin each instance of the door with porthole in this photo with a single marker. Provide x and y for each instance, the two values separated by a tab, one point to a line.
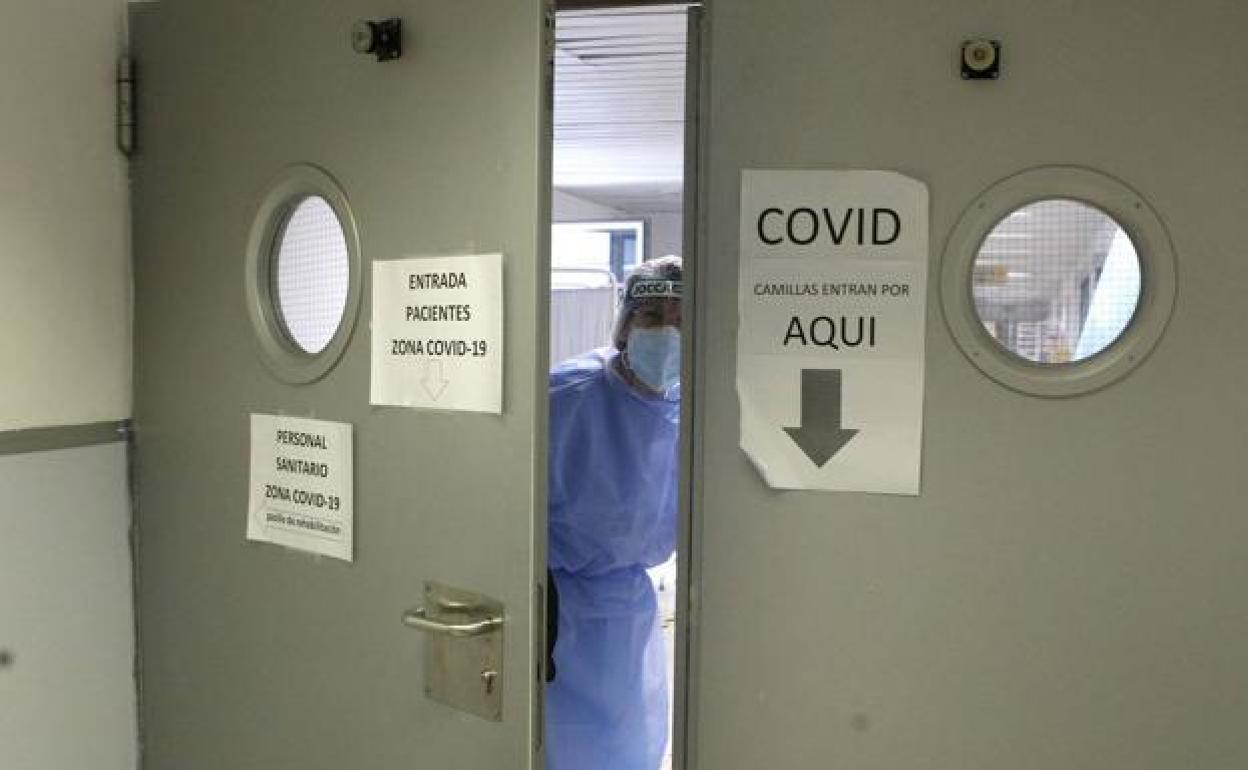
382	608
1065	589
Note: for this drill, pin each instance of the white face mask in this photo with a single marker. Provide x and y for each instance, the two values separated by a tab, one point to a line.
654	356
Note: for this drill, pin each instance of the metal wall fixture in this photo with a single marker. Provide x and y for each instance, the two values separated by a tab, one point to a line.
26	440
981	59
382	38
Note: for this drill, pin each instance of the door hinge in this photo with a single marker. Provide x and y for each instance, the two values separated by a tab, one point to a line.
126	113
548	56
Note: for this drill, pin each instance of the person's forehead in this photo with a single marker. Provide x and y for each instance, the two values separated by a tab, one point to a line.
656	306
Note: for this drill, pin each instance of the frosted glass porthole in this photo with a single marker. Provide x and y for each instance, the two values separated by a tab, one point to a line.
303	274
311	274
1058	281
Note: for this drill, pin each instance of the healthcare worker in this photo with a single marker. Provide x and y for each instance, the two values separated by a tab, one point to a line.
614	472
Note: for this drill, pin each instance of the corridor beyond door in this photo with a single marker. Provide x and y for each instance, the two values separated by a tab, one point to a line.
619	197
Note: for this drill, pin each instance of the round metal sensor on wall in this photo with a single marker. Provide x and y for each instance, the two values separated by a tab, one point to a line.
303	274
1058	281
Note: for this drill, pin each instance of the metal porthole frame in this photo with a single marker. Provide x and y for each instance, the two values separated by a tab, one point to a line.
1158	280
286	360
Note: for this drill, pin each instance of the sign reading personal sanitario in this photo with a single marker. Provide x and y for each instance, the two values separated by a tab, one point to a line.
301	492
830	347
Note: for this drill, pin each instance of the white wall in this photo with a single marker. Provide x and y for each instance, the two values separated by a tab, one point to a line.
67	698
666	229
666	234
565	207
64	295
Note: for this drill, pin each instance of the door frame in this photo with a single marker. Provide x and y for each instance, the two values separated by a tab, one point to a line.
685	688
689	547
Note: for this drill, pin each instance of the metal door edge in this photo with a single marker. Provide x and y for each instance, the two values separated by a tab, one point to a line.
686	694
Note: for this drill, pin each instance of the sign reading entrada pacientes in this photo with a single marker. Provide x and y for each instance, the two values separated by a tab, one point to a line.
437	333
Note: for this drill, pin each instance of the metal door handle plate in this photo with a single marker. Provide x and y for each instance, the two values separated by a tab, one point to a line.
463	652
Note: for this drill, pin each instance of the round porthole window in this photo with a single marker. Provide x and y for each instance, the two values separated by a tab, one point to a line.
303	271
1058	281
311	274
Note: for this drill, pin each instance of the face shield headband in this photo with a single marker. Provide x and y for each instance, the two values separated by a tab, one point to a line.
654	288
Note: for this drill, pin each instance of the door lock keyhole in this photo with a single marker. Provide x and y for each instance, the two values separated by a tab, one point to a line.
489	677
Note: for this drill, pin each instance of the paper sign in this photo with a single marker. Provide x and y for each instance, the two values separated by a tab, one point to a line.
830	346
438	333
302	481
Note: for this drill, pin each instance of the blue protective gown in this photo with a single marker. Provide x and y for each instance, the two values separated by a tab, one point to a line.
613	491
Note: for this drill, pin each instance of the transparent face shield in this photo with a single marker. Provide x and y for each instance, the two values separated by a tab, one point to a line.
652	347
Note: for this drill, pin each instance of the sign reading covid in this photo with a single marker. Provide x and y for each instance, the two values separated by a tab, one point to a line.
830	347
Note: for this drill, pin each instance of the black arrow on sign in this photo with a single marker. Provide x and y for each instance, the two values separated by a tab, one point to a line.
821	435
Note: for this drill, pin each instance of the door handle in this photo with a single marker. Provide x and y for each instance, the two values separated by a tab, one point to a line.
458	605
463	654
418	618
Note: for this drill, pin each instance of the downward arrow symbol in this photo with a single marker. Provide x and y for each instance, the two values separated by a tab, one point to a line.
434	381
821	435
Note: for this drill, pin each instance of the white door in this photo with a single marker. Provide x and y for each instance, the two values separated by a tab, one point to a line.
1067	590
257	656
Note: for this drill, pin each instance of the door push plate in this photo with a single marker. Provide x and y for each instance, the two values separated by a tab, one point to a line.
463	649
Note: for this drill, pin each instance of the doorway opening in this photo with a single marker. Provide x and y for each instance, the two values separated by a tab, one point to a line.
618	208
